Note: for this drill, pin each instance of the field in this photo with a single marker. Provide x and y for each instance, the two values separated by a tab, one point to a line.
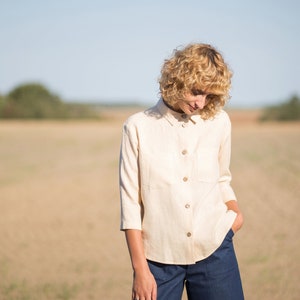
59	204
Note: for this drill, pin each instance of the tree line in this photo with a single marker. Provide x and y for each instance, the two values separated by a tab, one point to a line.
35	101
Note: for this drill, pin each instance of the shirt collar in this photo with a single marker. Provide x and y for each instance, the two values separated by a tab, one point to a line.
174	117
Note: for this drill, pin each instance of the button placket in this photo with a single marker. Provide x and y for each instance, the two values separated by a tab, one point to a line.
184	153
185	179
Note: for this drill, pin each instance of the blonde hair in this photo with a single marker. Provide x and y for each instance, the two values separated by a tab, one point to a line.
196	67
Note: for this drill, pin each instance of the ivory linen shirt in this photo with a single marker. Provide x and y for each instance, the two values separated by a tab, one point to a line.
174	182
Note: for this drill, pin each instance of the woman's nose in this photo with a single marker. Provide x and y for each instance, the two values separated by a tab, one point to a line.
201	101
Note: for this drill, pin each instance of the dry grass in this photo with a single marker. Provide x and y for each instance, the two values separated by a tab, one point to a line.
59	203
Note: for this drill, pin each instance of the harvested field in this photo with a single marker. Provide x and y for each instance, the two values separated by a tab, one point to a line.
59	203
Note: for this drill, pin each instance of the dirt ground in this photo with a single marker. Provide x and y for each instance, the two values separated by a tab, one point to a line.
59	204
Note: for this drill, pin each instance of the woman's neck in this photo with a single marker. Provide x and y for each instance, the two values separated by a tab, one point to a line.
178	110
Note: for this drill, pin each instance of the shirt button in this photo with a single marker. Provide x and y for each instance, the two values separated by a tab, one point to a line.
183	116
183	125
188	234
184	152
187	206
185	179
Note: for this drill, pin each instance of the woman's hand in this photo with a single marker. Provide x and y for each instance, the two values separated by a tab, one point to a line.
144	286
239	220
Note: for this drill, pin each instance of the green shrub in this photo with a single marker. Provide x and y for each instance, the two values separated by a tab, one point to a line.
287	111
34	101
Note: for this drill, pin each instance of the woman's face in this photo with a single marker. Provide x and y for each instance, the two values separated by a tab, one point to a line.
194	101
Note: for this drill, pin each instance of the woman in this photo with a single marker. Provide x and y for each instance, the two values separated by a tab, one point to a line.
178	210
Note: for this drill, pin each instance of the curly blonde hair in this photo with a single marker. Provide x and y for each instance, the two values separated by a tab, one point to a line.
197	67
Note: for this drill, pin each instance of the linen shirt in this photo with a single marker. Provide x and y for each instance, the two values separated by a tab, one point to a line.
175	181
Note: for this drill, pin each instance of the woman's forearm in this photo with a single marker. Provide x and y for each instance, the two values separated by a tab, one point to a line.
144	285
136	249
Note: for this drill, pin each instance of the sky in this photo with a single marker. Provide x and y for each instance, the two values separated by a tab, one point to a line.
112	51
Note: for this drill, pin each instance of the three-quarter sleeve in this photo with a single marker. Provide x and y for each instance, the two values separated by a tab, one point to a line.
129	180
224	163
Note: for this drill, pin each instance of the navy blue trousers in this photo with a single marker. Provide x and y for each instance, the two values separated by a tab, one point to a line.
215	278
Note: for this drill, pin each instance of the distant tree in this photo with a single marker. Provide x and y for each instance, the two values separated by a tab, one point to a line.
287	111
2	100
4	107
34	101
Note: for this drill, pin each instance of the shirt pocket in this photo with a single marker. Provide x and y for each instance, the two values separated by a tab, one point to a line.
206	167
157	170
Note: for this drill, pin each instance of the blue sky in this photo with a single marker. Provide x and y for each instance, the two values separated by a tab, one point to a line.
112	51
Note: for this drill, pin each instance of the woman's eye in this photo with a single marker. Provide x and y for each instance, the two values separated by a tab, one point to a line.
196	92
211	96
